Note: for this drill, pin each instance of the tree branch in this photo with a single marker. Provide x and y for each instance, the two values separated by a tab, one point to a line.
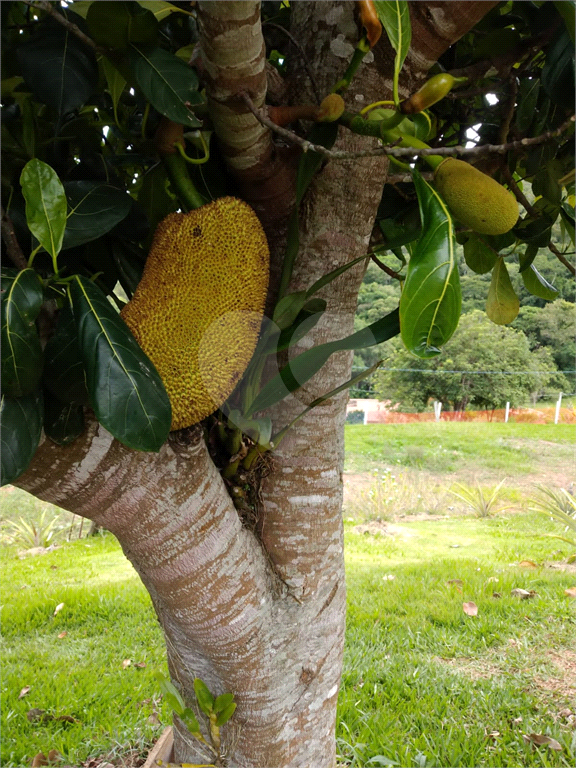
329	154
43	5
12	245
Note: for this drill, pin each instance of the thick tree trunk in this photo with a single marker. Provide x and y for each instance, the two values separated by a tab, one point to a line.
259	615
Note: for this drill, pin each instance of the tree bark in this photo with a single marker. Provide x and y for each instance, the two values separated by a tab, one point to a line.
260	614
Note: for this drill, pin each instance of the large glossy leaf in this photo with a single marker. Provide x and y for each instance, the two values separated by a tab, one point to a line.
94	210
558	71
116	24
169	84
63	423
21	351
125	390
305	365
58	68
21	427
538	285
479	256
502	304
46	207
64	375
395	18
431	300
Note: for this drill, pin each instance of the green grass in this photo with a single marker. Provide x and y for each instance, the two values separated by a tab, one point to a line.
510	449
423	685
108	618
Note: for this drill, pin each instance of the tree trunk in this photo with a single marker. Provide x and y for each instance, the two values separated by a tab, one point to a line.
260	614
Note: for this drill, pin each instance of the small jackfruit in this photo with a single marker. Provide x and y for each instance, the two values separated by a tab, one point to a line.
475	199
198	308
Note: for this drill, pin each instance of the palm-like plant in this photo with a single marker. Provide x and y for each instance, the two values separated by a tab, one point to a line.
481	503
36	533
561	505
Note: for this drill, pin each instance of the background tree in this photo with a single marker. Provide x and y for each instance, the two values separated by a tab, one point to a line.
466	374
241	552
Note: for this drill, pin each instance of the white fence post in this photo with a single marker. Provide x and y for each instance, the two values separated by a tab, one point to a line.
437	409
507	413
365	419
558	404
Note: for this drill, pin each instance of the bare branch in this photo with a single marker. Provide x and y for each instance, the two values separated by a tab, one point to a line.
562	258
12	245
43	5
329	154
384	268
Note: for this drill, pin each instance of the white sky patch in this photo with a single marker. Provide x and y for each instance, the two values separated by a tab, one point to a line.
492	99
472	135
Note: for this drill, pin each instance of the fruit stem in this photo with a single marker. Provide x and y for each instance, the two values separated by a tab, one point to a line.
181	182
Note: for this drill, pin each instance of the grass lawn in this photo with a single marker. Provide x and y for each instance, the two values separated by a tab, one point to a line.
424	684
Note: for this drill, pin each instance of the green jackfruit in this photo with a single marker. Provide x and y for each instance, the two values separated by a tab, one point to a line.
198	308
475	199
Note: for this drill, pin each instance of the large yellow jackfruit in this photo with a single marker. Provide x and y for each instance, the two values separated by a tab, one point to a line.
475	199
198	307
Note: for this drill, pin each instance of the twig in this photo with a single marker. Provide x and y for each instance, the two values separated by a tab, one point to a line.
561	258
43	5
388	270
302	52
508	109
307	146
12	245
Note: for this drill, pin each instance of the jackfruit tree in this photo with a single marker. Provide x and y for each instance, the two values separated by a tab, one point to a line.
191	194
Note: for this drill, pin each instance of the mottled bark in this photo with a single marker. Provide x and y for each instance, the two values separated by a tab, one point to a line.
261	616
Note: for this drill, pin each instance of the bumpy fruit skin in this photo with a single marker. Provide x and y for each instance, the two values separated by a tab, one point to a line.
198	308
475	199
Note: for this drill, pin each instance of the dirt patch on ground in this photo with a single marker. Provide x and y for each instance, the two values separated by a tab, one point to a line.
560	681
381	528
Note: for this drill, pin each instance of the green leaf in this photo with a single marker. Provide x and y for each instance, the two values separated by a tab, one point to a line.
528	99
225	714
64	375
395	18
534	231
567	215
305	365
479	256
154	197
288	308
63	422
222	701
502	304
567	9
60	70
526	258
46	207
538	285
325	279
558	71
323	134
95	209
161	9
203	696
319	400
116	24
116	84
171	694
126	392
21	350
431	300
21	427
169	85
189	719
